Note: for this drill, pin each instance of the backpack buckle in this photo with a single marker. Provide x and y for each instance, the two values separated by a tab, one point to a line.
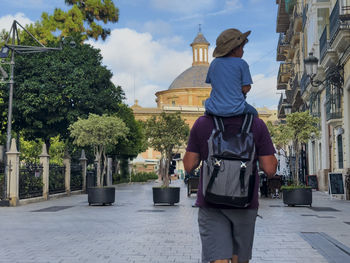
217	162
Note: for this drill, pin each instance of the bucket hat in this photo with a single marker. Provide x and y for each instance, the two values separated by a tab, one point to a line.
228	40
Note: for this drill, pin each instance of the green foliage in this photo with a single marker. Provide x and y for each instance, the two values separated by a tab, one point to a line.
295	186
143	177
167	132
164	134
53	89
56	179
135	142
29	184
302	126
124	168
84	18
280	134
299	128
98	132
30	150
135	177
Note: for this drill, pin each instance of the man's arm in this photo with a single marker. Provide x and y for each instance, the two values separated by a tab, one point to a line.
268	163
191	161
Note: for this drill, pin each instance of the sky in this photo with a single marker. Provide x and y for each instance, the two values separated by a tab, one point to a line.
150	44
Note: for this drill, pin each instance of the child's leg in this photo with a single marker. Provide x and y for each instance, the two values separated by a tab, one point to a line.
250	109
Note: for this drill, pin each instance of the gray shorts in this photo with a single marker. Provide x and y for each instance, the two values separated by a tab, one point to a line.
226	232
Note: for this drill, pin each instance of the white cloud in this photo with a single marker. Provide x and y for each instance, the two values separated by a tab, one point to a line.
183	6
142	65
263	91
6	21
157	27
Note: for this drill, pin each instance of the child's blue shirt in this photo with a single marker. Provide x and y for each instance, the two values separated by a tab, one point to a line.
227	75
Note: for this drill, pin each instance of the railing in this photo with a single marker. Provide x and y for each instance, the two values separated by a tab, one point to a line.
304	83
280	103
323	43
304	16
57	179
30	181
76	178
345	10
334	21
315	106
2	180
295	85
333	102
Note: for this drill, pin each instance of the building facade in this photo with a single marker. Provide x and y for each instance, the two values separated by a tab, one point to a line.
319	28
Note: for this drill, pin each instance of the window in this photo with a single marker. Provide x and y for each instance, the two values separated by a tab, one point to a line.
340	151
173	102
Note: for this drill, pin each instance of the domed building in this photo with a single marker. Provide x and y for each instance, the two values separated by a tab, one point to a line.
186	94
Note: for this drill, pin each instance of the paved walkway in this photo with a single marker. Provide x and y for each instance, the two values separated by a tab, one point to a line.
133	230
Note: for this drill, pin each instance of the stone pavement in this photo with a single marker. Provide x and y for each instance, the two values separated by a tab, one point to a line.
133	230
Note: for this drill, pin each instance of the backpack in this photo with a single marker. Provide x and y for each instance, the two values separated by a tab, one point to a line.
228	176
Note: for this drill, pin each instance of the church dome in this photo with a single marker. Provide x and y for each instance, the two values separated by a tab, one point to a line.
192	77
195	76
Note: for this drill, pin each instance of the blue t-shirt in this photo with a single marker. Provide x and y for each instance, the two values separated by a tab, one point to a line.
227	75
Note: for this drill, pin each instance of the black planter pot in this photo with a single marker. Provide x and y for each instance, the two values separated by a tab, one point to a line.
166	195
301	196
101	195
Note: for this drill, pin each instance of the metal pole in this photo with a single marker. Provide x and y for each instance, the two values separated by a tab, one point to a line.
9	116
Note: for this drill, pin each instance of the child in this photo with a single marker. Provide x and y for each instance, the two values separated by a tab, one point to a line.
229	76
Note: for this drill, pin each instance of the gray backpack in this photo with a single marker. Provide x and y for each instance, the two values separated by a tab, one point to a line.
228	177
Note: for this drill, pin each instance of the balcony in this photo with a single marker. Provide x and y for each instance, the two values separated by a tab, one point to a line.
304	16
304	83
297	18
315	105
283	103
296	101
339	35
333	103
282	47
284	74
282	17
323	43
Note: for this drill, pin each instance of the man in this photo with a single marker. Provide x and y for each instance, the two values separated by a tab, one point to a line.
228	233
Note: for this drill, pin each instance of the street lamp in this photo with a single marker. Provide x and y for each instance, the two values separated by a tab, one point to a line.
334	74
20	49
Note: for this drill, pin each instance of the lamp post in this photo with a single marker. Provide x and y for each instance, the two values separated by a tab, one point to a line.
20	49
334	74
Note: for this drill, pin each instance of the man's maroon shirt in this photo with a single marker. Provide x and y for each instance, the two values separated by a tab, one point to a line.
198	143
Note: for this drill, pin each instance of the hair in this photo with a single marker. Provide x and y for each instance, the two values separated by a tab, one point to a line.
234	49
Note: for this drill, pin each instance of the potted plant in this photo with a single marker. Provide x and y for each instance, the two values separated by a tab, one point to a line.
298	129
165	134
99	132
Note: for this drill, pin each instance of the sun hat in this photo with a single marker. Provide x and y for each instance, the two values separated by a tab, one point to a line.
228	40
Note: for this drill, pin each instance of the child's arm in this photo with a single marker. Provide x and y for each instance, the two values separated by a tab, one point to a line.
246	89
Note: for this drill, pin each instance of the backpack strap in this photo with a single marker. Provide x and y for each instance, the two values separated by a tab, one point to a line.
247	123
218	123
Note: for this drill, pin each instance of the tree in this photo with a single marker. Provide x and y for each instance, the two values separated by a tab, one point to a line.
98	132
164	134
52	90
299	129
83	19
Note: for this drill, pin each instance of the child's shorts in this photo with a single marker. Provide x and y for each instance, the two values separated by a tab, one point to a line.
226	232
